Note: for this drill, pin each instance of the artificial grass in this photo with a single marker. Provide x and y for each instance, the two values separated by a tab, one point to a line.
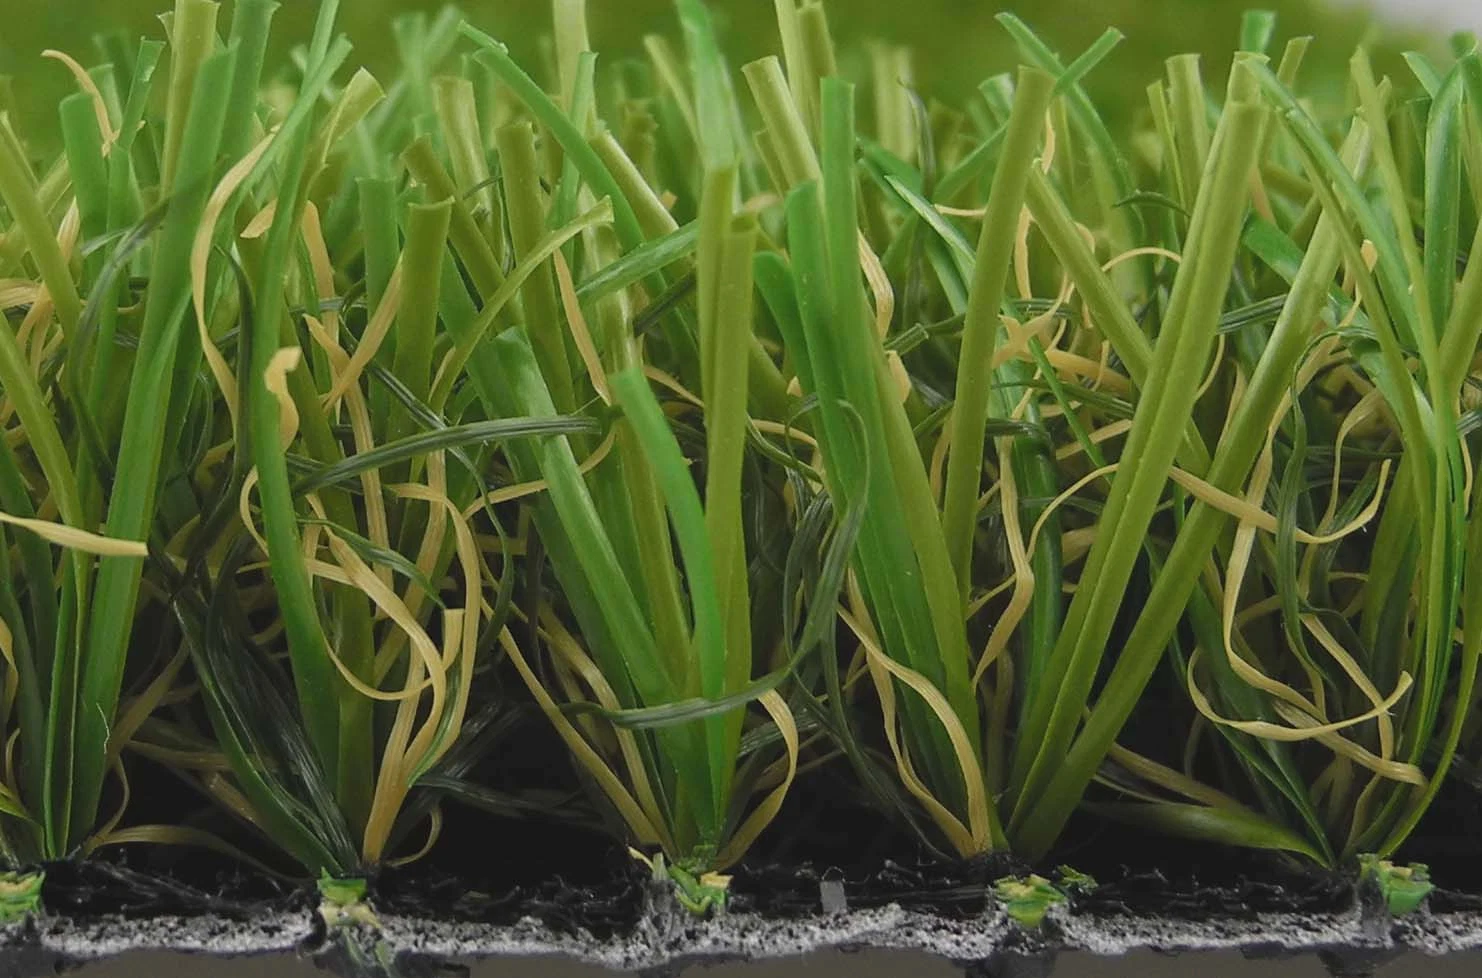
348	419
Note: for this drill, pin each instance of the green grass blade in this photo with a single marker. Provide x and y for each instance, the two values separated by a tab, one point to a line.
981	328
314	677
317	476
139	457
1232	827
416	321
17	189
527	223
639	406
639	264
192	37
1442	190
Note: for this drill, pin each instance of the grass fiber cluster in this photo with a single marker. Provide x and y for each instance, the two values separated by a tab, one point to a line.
735	423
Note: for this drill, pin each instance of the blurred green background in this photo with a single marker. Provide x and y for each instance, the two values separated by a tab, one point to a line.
957	42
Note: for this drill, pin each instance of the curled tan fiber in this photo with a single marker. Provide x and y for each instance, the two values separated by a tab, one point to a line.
90	88
644	831
200	257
